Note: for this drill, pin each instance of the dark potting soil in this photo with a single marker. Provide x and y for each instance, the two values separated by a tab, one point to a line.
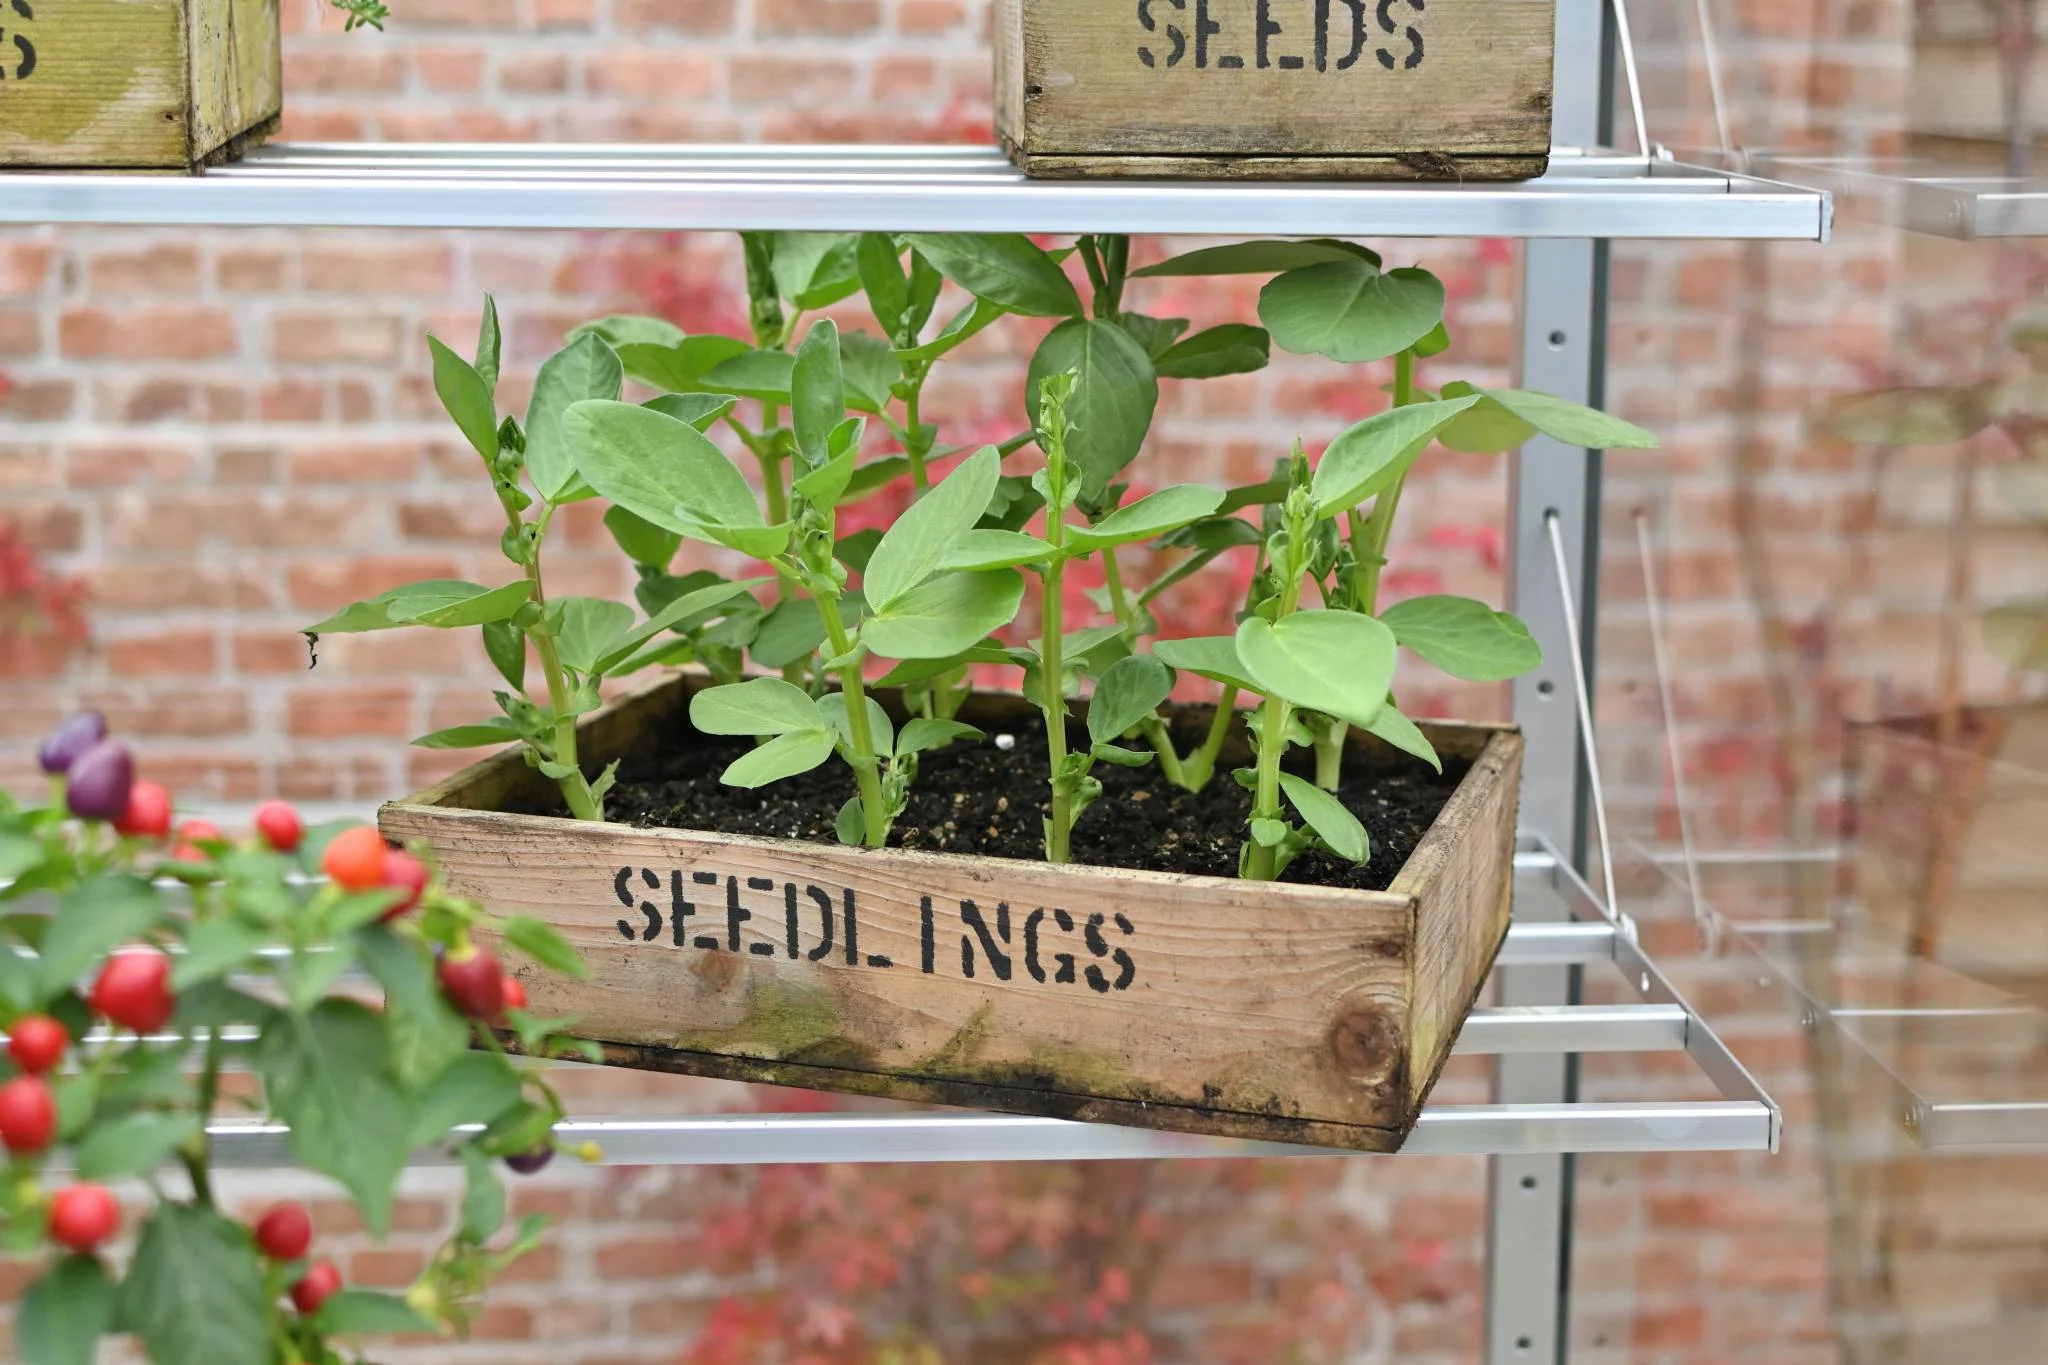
978	798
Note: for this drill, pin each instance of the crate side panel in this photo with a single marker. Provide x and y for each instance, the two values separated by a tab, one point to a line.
105	85
237	76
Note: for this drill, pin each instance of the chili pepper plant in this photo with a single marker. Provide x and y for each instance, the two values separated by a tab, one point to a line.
143	962
826	417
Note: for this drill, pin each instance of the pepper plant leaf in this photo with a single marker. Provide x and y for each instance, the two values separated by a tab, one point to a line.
1372	455
194	1291
786	755
1167	510
1006	268
1115	392
328	1075
1336	662
585	368
1350	310
1233	348
1128	692
1335	825
912	550
945	614
1259	258
1506	418
65	1313
1465	638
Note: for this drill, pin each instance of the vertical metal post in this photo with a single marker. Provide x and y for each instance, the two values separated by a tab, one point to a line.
1562	351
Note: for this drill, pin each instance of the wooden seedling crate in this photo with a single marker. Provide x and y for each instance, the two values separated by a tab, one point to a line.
136	84
1276	89
1196	1004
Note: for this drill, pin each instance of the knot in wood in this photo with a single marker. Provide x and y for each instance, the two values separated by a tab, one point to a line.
1365	1043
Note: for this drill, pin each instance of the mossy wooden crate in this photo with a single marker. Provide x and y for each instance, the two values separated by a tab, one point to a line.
136	84
1197	1004
1948	845
1276	89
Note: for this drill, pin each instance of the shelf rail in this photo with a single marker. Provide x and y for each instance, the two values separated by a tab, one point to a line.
1585	193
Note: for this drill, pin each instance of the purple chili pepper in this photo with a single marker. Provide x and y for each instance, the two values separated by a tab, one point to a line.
99	781
526	1163
70	739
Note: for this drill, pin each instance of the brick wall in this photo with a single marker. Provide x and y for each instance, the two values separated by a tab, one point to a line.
225	434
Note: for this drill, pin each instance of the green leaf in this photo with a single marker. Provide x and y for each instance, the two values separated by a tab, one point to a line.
93	918
1258	258
684	365
1336	826
663	471
878	260
1399	731
2017	632
1464	638
817	392
913	548
1005	268
328	1074
1506	418
214	948
1115	392
1937	415
505	643
815	269
1436	342
700	410
483	734
1129	692
1167	510
365	1312
680	609
194	1292
920	670
1372	455
762	375
623	329
945	615
1350	310
467	397
489	341
75	1097
1270	833
1122	757
786	755
758	706
851	824
133	1145
964	324
791	632
926	733
1336	662
643	541
446	603
1233	348
584	626
1155	335
483	1198
426	1032
543	943
585	368
65	1313
870	369
1210	656
881	730
986	548
826	484
475	1087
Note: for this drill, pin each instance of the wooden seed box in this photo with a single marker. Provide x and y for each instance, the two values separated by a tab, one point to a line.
136	84
1195	1004
1275	89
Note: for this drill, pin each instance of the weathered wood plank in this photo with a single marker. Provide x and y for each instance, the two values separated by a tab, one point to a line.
1276	88
1206	1004
137	84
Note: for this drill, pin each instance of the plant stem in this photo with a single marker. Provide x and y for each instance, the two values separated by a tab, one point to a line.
1053	701
866	767
1273	718
575	789
1200	766
198	1158
1152	727
913	440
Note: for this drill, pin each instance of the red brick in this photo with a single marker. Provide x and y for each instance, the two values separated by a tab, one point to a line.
308	337
164	653
38	400
558	14
164	332
384	1268
929	16
193	712
354	711
159	268
269	651
25	266
377	267
357	462
329	584
359	68
690	16
774	79
292	400
647	1258
533	73
653	73
836	17
24	466
245	269
21	333
449	70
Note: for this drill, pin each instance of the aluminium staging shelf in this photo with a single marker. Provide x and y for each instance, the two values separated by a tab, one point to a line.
1584	194
1929	197
1564	924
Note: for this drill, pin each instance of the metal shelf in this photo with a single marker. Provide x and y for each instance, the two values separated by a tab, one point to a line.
1743	1119
1923	196
1585	194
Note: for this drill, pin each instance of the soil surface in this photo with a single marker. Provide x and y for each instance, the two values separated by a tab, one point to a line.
983	799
